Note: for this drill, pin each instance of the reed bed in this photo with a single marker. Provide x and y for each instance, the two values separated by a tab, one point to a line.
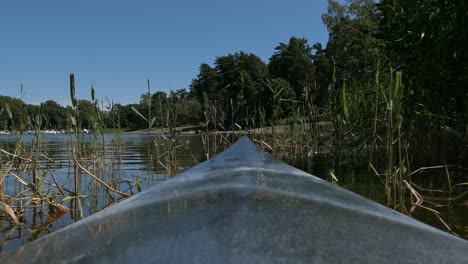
360	122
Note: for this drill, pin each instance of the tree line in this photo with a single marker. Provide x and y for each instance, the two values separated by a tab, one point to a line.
369	43
17	115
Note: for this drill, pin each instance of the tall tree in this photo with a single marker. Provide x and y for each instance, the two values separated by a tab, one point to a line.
54	114
12	114
185	106
85	108
355	45
206	83
293	62
323	73
241	80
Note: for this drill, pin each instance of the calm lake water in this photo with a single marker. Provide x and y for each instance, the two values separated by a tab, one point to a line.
133	162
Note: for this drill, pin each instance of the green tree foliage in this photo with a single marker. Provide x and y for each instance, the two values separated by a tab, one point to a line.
241	77
427	41
323	74
85	108
206	83
293	62
181	106
130	119
235	85
54	115
187	107
355	45
24	115
159	105
12	110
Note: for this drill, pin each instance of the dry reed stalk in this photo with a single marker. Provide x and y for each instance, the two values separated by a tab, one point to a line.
99	180
57	185
15	155
58	209
418	203
5	208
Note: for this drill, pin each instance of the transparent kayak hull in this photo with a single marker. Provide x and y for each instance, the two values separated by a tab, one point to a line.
243	206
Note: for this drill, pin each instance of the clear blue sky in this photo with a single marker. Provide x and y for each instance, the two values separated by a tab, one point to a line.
120	44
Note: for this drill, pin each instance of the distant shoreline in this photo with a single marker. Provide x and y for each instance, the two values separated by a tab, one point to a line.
201	130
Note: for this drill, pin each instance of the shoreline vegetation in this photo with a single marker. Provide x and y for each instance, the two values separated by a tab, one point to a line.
389	88
189	130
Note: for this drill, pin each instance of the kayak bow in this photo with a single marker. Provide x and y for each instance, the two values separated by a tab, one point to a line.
243	206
